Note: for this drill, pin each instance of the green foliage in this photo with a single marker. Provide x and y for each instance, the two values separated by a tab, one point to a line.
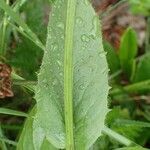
128	51
73	73
23	28
112	58
140	7
131	131
26	58
90	85
143	69
26	138
37	12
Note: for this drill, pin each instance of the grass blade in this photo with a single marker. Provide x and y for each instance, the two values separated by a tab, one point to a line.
7	111
123	140
16	18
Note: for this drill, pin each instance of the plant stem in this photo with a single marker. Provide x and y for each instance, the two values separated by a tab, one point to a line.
4	28
144	85
68	74
121	139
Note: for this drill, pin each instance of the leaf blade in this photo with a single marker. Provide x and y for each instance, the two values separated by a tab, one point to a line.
26	138
90	78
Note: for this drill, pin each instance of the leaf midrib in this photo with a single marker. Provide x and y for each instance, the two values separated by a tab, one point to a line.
68	73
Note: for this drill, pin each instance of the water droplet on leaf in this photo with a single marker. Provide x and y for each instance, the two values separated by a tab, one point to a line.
82	86
79	20
85	38
60	25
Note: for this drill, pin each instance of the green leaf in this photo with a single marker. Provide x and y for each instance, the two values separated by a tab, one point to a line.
112	58
78	38
131	130
26	138
128	51
7	111
143	69
30	65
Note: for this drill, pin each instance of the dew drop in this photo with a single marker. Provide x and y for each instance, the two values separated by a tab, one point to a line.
61	74
94	30
54	82
81	87
83	47
85	38
59	63
62	37
54	47
79	20
60	25
46	52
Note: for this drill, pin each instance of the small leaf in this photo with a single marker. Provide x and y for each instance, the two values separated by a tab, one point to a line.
26	138
128	51
143	69
90	76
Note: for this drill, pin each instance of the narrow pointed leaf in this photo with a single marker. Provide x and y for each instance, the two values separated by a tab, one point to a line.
128	52
7	111
88	81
